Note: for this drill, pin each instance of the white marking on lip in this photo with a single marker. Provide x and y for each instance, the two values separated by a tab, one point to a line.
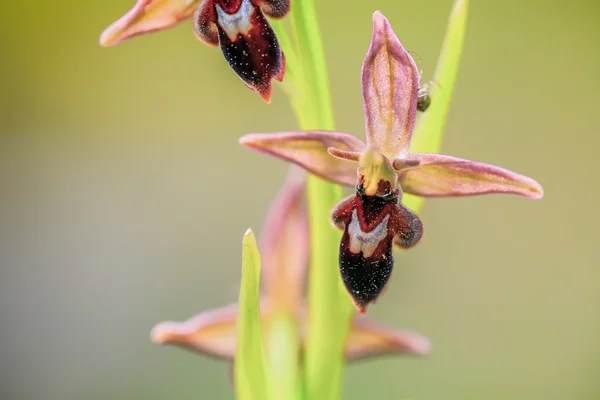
366	242
239	22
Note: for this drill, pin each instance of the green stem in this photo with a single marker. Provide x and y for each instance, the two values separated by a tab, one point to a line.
329	312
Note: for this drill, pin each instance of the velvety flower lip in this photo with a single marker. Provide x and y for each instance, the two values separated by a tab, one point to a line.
284	246
239	27
390	87
246	40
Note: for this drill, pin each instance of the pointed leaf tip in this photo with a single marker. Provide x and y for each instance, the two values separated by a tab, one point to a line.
250	362
429	131
430	128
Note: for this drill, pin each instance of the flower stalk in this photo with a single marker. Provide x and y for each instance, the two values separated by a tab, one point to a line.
329	309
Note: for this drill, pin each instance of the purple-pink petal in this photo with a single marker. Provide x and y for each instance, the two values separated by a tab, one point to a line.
148	16
367	338
443	176
212	332
309	150
284	243
390	83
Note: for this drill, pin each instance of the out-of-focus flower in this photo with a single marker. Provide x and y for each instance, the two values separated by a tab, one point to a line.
375	217
238	26
284	248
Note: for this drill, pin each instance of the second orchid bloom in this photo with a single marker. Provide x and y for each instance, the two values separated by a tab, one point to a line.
374	219
284	252
239	27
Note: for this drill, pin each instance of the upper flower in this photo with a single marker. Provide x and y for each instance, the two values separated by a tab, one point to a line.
390	91
238	26
374	219
284	248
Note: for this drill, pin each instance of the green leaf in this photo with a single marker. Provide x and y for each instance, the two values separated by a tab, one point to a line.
284	355
251	379
429	132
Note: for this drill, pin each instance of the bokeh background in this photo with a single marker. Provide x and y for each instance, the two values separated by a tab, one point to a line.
124	197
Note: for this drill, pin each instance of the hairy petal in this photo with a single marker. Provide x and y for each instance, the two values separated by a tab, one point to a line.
390	82
309	150
148	16
368	339
284	243
250	46
205	23
274	8
407	225
212	332
442	176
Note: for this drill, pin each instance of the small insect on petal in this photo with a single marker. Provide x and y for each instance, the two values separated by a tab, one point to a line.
423	98
249	45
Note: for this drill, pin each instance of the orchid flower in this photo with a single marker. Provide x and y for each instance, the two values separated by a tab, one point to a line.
238	26
284	258
374	217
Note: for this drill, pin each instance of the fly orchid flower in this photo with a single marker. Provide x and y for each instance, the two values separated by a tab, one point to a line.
374	217
284	259
238	26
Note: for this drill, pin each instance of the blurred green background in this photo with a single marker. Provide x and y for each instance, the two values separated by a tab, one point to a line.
124	197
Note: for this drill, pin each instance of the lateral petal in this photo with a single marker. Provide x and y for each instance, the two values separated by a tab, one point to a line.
368	339
148	16
212	332
444	176
205	23
309	150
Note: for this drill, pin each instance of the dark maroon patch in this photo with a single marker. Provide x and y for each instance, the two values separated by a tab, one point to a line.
366	277
230	6
255	55
205	23
273	8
